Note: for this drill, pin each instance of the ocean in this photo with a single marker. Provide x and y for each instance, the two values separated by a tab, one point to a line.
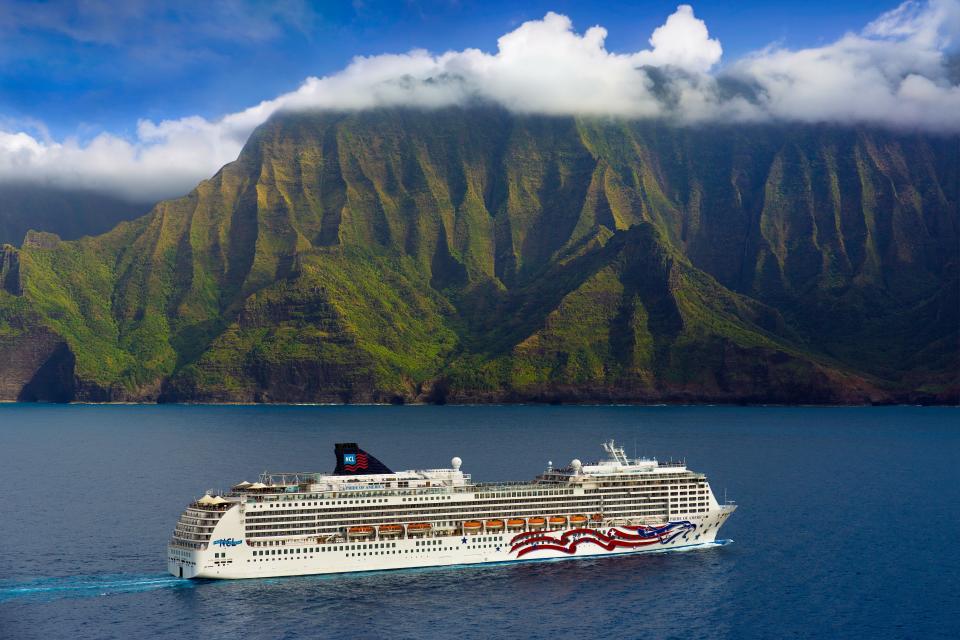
848	523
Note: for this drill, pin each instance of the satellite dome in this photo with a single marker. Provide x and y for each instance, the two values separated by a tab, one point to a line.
455	463
575	464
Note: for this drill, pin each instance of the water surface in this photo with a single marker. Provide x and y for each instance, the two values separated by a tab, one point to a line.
848	523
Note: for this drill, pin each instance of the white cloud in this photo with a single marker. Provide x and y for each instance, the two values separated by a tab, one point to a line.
932	25
892	73
165	160
683	42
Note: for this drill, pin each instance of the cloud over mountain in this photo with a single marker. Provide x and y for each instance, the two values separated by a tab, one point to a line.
895	72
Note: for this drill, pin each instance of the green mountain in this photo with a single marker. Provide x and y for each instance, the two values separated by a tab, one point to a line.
474	255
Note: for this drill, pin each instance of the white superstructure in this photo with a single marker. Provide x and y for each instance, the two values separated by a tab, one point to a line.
365	517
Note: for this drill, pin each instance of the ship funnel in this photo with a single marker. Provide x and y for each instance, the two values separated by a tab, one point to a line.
352	460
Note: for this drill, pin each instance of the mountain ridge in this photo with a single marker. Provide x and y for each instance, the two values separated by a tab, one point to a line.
465	255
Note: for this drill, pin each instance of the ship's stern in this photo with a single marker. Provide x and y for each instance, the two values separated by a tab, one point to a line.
207	541
183	562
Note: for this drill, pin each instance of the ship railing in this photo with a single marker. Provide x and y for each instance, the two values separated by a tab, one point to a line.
276	494
520	486
672	463
289	477
210	507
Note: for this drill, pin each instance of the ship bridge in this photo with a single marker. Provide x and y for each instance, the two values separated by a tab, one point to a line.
616	464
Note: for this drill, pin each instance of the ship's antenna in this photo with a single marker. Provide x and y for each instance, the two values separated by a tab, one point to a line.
635	448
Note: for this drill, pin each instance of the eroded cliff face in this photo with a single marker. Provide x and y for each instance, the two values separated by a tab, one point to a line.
37	365
474	255
10	270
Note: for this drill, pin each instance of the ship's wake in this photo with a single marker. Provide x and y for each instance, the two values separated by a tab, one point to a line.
50	588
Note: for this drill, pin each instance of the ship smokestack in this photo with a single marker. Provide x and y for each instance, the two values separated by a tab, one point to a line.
352	460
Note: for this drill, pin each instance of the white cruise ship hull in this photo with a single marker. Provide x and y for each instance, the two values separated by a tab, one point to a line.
365	517
311	558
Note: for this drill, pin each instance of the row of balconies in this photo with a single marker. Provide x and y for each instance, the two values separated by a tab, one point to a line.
559	501
202	531
197	523
264	530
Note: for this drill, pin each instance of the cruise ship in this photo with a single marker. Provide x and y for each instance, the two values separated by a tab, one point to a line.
365	517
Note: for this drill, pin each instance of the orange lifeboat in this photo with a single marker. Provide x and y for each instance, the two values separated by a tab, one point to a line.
494	525
537	522
515	523
390	530
472	526
597	517
578	520
419	528
558	521
357	533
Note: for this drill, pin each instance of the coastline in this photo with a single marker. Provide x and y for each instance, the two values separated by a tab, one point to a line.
530	403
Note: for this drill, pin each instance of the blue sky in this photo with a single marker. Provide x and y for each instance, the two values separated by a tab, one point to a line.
80	71
145	98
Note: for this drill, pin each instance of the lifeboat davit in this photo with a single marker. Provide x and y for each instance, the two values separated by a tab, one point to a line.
578	520
419	528
558	521
472	526
536	523
515	523
494	525
390	530
357	533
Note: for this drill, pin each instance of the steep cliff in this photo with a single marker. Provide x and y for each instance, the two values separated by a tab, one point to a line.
473	255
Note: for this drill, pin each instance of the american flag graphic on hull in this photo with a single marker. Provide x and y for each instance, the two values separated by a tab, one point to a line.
614	538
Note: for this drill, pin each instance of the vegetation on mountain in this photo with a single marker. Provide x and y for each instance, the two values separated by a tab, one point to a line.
475	255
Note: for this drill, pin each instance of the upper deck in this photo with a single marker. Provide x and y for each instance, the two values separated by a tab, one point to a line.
453	480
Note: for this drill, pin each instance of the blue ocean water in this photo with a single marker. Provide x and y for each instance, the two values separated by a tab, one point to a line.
848	525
